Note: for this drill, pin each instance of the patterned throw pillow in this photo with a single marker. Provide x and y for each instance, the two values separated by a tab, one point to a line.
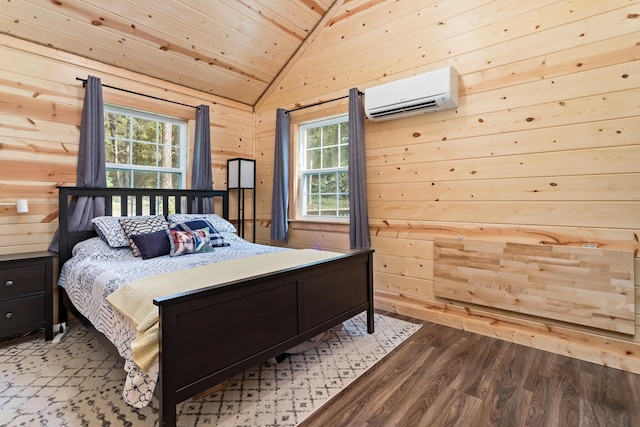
152	245
219	223
189	241
133	225
110	230
216	239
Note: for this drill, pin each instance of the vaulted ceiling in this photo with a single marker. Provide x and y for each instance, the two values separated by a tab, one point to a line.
231	48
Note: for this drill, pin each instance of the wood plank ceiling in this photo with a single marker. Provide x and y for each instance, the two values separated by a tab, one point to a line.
230	48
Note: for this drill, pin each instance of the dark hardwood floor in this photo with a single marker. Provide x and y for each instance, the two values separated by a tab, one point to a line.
446	377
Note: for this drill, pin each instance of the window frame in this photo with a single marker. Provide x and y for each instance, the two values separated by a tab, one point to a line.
301	171
146	115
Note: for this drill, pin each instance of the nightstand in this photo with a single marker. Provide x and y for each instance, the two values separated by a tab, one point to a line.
26	293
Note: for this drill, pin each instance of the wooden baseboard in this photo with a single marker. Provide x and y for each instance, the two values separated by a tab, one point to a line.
580	344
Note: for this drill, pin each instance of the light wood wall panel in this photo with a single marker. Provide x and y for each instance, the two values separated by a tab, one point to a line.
40	111
543	149
586	286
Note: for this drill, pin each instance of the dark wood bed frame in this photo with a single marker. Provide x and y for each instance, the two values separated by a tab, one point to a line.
211	334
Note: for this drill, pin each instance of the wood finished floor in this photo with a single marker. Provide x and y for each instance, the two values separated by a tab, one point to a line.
446	377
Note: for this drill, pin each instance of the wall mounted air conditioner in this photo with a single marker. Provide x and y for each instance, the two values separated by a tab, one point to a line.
433	91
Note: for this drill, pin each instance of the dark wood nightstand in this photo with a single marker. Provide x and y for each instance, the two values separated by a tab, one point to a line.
26	293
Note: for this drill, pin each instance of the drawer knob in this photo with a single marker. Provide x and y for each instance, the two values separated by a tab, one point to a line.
8	315
8	283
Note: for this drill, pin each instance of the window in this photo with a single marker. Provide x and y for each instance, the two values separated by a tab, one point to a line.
143	150
324	171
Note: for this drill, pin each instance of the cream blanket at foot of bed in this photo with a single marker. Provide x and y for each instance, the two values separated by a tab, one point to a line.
135	299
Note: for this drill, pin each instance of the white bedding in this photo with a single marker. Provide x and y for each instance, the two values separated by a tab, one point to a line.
96	270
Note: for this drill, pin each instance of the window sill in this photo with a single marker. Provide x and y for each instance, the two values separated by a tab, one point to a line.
319	225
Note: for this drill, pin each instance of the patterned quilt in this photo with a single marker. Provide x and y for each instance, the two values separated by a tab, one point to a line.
96	270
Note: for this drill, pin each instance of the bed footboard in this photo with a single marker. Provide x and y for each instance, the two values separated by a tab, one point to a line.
210	335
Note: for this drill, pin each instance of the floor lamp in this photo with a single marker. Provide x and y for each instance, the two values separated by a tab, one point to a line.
241	175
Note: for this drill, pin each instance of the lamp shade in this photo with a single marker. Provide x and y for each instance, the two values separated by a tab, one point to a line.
241	173
22	205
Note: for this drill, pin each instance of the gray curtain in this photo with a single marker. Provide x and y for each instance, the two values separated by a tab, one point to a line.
201	176
280	196
91	161
358	213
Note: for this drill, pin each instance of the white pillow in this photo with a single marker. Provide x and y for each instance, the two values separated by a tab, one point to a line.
219	223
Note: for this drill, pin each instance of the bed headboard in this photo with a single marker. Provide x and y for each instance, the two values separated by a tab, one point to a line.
133	201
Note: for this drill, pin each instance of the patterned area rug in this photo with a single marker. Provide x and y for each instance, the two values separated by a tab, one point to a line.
77	382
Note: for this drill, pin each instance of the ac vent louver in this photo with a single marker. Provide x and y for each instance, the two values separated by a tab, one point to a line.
429	92
398	110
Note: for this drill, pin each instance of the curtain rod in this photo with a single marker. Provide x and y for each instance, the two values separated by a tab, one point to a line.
320	103
84	83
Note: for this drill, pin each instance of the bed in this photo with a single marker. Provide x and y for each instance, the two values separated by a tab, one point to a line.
207	335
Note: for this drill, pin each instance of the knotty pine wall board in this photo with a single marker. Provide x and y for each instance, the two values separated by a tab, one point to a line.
576	188
418	143
543	148
587	286
475	47
40	117
142	42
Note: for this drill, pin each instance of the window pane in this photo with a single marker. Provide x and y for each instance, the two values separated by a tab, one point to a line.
117	152
144	130
314	160
110	150
330	157
343	205
116	125
175	158
165	156
344	155
343	182
314	183
344	133
313	137
169	180
328	183
330	135
175	136
142	179
144	154
118	178
311	205
328	205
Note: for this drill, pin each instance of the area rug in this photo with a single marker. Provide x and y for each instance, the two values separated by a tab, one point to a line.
77	382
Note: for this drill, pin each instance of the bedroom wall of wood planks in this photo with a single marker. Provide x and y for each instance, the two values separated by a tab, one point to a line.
544	147
40	117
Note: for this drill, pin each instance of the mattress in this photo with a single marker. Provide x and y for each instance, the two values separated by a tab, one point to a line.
96	270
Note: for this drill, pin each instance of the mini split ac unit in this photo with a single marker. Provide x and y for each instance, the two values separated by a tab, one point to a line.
425	93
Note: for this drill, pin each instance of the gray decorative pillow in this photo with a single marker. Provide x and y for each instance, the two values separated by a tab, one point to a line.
133	225
110	230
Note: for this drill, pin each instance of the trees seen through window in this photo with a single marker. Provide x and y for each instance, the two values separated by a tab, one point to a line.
324	172
143	150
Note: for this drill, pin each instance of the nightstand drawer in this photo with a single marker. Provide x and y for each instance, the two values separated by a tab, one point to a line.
21	314
26	293
22	280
